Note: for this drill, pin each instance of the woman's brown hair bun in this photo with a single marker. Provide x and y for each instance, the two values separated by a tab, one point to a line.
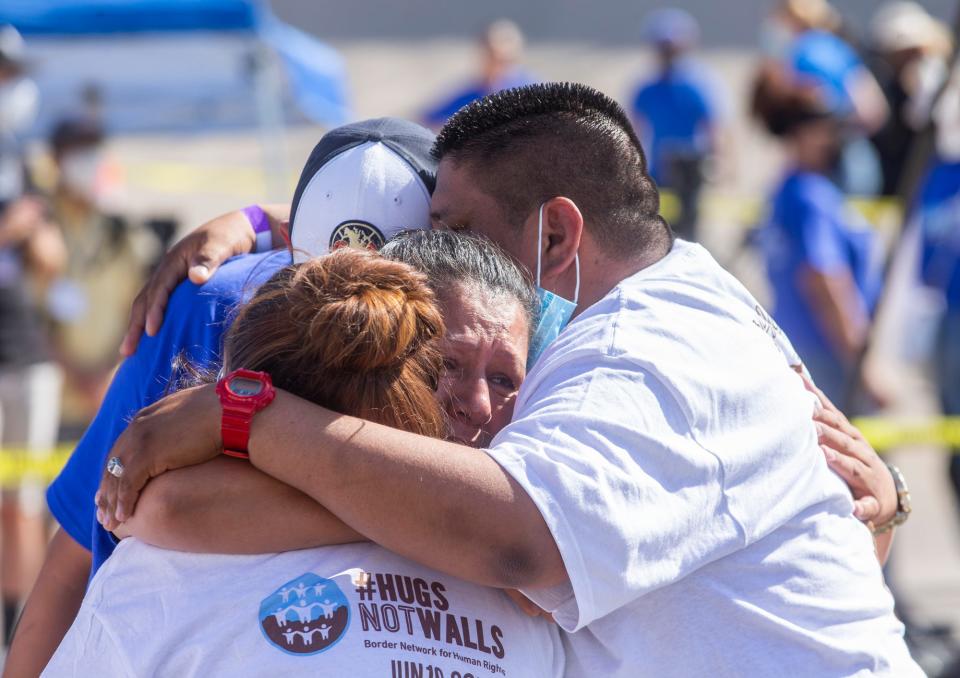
361	312
351	331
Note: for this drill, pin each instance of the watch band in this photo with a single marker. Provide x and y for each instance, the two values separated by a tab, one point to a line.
235	432
239	408
903	502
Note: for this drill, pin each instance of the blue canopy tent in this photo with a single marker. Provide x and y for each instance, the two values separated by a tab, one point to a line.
176	46
182	66
85	17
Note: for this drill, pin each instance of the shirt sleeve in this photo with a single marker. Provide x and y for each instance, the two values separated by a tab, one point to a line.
70	496
632	501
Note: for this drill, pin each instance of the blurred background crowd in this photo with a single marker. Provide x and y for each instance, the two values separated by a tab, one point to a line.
813	148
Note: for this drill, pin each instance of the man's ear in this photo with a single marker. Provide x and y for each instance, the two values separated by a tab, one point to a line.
562	230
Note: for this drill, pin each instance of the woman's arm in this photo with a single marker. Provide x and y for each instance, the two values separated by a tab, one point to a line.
445	505
228	506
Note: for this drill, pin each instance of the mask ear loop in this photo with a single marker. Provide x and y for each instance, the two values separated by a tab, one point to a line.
576	289
540	243
576	257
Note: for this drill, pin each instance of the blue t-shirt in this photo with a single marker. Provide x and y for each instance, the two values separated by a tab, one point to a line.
193	326
677	109
827	61
939	211
438	115
811	226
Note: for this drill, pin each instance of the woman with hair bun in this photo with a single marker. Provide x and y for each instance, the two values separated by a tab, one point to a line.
364	335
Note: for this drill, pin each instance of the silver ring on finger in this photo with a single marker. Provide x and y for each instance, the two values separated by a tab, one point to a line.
115	467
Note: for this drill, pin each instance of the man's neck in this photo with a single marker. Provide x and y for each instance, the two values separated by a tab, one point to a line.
600	273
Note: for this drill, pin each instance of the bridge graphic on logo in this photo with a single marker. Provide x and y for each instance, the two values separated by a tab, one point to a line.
358	235
305	616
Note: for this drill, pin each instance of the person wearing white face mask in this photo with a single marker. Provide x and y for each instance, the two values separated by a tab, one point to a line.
109	258
31	251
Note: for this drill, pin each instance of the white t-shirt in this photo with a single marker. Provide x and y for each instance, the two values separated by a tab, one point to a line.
671	451
355	610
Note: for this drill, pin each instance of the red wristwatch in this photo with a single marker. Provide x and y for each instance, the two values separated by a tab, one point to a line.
242	393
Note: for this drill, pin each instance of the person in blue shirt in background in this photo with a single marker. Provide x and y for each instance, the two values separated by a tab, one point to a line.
501	46
939	212
677	114
801	36
821	257
362	184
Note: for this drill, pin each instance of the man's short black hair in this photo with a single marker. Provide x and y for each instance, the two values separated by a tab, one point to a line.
537	142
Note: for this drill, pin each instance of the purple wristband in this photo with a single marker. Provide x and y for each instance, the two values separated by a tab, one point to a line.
257	218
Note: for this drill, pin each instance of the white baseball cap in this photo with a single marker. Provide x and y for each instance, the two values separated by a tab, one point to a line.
363	184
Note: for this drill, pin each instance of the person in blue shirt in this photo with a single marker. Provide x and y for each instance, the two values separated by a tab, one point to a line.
820	255
677	113
362	184
801	37
501	47
939	212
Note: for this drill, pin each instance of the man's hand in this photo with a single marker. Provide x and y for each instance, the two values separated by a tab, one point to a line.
181	430
198	255
853	459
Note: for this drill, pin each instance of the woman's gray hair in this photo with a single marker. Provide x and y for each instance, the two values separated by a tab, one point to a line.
448	258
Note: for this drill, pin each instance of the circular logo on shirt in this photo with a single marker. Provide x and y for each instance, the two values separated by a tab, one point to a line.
357	234
305	616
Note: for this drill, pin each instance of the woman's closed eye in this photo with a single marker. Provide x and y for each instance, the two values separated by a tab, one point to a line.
503	383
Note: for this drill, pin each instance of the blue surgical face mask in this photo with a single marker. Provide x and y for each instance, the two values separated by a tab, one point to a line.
555	311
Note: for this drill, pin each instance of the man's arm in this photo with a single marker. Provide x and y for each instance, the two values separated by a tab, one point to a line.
447	506
197	257
51	607
227	506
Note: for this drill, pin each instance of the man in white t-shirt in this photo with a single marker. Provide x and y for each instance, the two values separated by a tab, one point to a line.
660	490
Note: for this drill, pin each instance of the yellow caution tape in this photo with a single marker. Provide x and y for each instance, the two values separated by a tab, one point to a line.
18	464
719	207
884	433
246	183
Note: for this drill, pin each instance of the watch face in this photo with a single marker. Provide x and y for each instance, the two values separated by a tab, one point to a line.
244	387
